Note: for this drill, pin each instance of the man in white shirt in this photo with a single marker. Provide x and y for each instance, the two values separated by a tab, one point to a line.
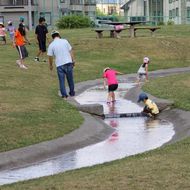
64	61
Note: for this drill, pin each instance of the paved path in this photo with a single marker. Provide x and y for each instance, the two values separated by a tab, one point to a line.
92	131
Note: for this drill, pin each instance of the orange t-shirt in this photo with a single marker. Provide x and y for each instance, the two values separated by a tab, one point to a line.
19	39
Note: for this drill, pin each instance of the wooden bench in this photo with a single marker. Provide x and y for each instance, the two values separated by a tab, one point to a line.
151	28
113	32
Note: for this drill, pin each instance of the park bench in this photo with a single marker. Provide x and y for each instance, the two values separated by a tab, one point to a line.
151	28
113	32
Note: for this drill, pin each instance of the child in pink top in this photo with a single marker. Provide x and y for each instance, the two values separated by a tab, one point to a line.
110	78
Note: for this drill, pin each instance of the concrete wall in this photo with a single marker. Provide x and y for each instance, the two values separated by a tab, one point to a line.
14	17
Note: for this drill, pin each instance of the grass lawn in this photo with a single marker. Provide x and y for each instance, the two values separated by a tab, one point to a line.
165	168
31	111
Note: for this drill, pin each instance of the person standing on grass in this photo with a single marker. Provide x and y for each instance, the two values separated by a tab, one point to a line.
64	60
11	29
19	43
143	70
3	33
22	24
110	78
41	36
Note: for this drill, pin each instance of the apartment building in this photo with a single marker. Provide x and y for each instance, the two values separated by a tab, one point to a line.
157	11
31	10
110	7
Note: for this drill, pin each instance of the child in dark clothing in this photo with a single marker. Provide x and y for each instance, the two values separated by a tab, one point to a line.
41	36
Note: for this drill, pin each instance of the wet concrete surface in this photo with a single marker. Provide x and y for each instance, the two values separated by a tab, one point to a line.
131	136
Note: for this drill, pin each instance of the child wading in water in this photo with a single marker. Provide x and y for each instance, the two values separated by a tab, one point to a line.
19	43
110	78
143	70
150	107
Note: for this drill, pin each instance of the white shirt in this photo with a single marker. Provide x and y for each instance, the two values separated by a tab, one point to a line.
60	49
142	70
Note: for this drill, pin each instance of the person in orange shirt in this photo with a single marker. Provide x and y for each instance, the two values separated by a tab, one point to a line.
19	43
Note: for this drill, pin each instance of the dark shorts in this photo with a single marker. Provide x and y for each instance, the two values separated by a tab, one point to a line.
42	45
112	87
142	76
23	53
3	38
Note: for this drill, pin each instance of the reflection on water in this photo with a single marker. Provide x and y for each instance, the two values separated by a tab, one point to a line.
131	136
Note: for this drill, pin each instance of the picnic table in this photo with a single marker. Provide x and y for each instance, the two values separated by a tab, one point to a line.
113	32
151	28
131	26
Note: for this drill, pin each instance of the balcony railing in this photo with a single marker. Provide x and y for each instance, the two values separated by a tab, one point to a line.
16	2
83	2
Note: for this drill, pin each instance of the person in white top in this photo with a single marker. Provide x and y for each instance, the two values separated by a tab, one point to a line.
64	61
143	70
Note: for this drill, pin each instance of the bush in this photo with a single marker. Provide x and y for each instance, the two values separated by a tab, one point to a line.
73	21
170	22
161	23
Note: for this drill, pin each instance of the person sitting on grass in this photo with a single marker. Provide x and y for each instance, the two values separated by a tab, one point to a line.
110	78
150	107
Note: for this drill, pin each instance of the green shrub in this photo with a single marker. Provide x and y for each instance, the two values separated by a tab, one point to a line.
170	22
73	21
161	23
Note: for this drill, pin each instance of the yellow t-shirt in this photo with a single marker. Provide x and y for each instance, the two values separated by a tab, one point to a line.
152	106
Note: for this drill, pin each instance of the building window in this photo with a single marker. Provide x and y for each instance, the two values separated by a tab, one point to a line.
177	12
188	12
170	14
170	1
62	1
111	10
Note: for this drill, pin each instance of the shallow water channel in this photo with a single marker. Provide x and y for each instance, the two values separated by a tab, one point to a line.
131	136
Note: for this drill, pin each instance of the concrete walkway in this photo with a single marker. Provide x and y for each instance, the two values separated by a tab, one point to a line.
93	129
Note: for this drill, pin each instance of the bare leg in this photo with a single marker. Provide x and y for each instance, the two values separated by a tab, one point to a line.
109	97
39	53
112	96
43	56
22	64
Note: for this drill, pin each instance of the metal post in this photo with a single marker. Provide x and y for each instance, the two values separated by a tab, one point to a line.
157	12
52	12
44	7
30	14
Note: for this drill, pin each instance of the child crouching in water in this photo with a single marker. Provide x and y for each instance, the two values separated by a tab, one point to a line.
150	107
19	43
110	78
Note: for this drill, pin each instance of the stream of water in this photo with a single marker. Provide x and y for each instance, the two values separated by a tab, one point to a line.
131	136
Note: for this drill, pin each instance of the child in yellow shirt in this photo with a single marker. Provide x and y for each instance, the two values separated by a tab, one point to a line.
150	107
